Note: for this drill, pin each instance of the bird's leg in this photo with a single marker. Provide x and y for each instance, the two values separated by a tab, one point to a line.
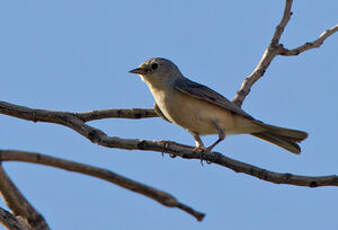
221	137
198	142
199	145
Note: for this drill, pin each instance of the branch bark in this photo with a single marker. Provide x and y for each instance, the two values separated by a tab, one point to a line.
135	113
134	186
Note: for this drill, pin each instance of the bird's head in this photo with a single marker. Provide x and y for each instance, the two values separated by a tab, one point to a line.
157	70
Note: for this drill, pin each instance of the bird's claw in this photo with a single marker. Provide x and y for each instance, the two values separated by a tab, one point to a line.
200	150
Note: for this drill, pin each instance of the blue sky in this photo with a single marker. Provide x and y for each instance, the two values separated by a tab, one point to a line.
75	56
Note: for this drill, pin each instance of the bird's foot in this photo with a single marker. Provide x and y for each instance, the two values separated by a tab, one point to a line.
200	150
165	145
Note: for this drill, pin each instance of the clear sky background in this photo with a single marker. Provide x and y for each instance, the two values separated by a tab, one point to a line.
75	56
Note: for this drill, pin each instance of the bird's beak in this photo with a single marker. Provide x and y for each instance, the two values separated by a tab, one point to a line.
138	71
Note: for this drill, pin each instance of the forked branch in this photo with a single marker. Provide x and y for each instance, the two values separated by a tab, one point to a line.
274	49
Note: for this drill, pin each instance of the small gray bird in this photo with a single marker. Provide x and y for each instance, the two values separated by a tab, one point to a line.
202	111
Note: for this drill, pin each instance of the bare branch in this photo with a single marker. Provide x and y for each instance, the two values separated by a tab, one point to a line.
153	193
281	26
274	49
266	59
237	166
135	113
19	204
9	221
99	137
308	45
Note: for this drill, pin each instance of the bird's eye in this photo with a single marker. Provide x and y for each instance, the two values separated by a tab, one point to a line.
154	66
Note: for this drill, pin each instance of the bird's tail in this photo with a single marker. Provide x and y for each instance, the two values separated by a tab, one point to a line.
284	138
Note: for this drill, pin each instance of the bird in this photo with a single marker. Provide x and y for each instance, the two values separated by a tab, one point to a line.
202	111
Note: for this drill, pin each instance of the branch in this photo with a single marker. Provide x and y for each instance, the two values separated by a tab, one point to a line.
19	204
268	56
99	137
116	113
281	26
308	45
274	49
153	193
9	221
136	113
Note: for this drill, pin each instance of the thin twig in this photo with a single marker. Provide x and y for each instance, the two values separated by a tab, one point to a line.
19	205
160	196
99	137
281	26
308	45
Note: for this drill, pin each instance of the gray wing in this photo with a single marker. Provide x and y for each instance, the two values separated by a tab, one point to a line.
159	112
204	93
